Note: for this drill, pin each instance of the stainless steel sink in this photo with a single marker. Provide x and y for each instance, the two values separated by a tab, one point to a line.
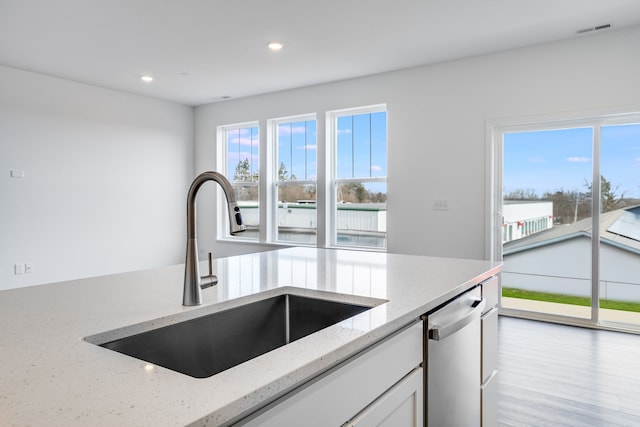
210	344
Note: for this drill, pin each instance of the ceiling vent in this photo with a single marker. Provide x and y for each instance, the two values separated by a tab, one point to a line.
590	30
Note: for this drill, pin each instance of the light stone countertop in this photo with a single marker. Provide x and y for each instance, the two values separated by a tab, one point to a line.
51	376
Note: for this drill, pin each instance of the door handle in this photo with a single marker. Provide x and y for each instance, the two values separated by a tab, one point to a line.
438	333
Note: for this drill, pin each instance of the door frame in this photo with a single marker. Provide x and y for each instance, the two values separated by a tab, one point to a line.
494	130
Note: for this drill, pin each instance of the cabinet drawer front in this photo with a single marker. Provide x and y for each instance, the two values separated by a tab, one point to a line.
491	292
340	394
489	343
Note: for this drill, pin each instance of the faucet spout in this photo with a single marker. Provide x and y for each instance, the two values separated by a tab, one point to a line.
193	283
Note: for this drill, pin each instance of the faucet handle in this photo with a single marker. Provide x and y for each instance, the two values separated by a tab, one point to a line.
210	279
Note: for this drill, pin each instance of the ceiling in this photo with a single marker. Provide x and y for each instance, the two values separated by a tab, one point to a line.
202	51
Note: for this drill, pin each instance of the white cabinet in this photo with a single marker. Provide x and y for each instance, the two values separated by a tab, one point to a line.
489	398
383	382
401	406
489	344
489	362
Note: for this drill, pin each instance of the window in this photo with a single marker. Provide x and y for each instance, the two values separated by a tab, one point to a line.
242	144
295	181
351	208
359	205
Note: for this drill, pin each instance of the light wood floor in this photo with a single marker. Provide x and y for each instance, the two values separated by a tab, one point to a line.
555	375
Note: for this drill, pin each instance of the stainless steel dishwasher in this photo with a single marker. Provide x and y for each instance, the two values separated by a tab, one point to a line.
452	352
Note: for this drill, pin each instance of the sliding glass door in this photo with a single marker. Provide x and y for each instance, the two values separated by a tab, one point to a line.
619	247
568	219
547	216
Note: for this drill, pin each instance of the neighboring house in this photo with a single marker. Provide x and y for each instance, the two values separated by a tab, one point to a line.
522	218
558	260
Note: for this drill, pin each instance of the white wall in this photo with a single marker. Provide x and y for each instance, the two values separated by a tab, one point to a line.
436	126
105	179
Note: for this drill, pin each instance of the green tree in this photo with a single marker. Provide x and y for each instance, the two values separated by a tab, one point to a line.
609	199
353	192
522	194
569	206
282	172
243	172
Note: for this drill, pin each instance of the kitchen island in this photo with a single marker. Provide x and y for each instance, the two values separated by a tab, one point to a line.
51	375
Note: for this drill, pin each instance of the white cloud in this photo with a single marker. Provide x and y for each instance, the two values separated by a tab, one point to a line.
242	137
376	168
288	130
307	147
537	160
247	141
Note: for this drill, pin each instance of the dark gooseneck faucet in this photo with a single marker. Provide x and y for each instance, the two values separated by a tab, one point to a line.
193	283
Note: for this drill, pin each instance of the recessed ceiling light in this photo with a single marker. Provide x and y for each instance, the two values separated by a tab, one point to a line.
146	79
275	46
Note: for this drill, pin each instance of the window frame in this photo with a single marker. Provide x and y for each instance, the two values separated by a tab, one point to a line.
332	148
326	177
274	181
223	165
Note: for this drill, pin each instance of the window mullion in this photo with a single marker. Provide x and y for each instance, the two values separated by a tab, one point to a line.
596	206
370	146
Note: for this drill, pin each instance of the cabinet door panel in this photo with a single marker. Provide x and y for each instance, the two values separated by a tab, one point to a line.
489	392
400	406
489	343
337	396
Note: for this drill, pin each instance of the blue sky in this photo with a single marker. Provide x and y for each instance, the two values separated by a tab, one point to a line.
361	147
547	161
362	142
297	149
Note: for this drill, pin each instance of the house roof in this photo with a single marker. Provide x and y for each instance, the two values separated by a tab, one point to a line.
619	228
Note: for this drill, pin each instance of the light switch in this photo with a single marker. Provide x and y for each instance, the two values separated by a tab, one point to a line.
17	173
18	268
440	205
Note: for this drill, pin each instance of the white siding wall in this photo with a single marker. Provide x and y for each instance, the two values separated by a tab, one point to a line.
620	272
520	211
565	268
523	219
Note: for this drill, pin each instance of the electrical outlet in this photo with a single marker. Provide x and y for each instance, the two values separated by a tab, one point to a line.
440	205
28	268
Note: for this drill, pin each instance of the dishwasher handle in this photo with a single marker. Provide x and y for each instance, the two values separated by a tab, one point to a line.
438	333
